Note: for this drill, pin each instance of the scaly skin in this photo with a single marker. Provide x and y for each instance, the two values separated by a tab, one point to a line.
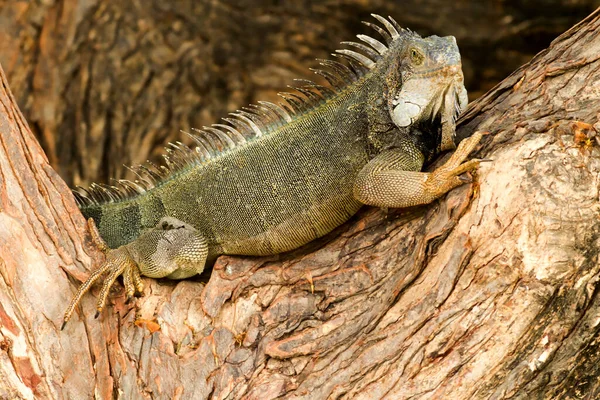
300	176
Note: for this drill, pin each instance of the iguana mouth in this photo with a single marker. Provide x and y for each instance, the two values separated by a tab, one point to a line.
445	71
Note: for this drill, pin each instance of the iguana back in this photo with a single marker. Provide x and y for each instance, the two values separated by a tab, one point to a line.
269	195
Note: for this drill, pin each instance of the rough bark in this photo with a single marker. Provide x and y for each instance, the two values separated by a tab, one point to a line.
107	83
491	292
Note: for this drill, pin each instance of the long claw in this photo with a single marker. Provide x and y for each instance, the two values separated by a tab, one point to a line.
117	262
128	283
464	167
84	288
137	281
456	164
120	266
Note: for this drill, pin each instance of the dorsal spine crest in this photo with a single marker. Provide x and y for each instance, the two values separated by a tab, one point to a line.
254	121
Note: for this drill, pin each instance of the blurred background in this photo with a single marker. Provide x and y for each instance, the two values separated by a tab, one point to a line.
107	83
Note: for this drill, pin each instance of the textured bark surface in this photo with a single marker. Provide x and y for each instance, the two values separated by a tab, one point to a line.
491	292
40	233
108	83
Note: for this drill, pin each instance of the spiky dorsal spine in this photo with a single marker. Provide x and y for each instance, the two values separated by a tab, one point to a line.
253	121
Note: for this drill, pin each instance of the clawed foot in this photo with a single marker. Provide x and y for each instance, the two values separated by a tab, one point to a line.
448	176
118	262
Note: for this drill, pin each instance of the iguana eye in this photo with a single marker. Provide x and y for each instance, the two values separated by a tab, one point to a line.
416	57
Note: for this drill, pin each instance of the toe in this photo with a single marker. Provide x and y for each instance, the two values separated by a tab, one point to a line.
117	262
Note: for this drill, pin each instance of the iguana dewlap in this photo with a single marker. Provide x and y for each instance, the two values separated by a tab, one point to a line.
274	177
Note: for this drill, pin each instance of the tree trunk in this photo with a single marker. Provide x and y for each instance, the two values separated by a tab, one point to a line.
490	292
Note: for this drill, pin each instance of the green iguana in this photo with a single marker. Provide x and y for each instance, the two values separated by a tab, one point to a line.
274	177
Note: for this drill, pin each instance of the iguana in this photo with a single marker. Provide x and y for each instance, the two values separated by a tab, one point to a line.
274	177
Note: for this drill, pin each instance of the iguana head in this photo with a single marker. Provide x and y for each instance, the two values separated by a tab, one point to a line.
425	83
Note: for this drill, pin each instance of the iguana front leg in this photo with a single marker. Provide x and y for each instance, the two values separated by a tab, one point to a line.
172	249
392	179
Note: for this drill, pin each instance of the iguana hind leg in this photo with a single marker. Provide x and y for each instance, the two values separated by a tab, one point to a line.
392	179
172	249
